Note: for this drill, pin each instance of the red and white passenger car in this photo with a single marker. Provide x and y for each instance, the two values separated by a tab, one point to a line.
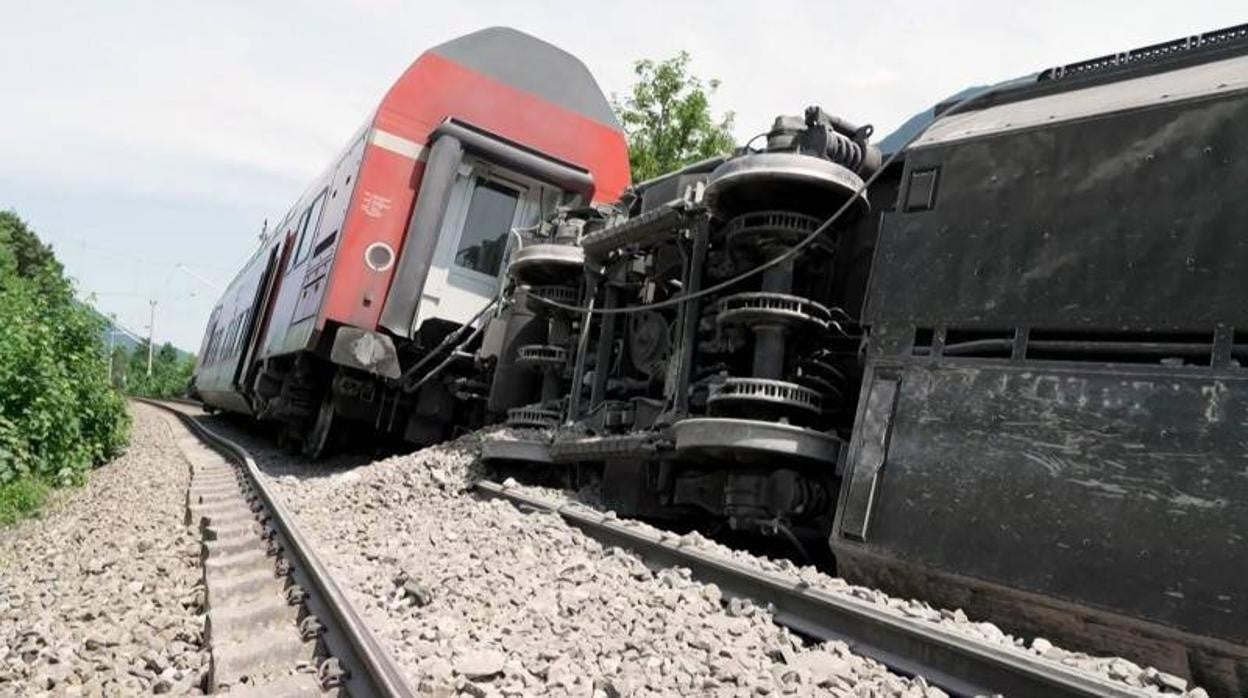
403	238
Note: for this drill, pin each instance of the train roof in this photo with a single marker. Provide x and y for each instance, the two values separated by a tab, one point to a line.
518	89
1185	52
532	65
1161	73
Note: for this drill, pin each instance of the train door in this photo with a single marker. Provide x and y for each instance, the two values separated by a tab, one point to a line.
486	204
281	336
258	315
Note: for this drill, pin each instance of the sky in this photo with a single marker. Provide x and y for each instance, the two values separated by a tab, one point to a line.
148	141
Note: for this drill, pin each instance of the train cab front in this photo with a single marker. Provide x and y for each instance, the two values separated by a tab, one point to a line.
480	140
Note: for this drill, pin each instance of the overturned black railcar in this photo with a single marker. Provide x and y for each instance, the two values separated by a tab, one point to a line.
1053	421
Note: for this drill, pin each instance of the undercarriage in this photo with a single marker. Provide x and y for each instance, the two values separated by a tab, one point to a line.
719	367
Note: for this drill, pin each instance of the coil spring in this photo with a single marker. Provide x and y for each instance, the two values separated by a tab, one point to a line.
845	151
822	374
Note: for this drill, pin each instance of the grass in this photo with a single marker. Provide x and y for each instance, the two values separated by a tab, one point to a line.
21	498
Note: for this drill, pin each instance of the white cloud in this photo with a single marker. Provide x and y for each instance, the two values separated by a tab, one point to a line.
150	107
242	103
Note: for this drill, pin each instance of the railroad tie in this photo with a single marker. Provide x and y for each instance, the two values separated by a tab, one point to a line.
251	627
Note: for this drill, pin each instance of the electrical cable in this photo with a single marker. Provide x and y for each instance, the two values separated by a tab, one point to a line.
747	147
139	259
787	254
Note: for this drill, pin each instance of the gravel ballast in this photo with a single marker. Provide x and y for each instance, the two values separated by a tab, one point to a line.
100	595
478	597
1145	680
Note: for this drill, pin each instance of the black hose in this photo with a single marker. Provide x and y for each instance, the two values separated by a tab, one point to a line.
792	251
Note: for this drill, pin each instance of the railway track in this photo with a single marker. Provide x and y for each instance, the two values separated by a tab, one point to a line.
955	663
278	624
952	661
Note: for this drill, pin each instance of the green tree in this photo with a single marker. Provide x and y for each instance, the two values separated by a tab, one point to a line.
28	257
170	372
668	118
58	414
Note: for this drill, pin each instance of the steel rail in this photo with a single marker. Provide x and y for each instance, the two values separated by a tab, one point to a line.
369	670
957	664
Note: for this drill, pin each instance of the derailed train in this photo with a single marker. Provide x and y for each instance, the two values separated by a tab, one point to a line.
996	367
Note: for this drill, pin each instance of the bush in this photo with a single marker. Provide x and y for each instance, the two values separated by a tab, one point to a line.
58	414
21	497
171	371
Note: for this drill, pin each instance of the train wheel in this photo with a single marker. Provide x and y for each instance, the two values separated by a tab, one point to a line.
320	438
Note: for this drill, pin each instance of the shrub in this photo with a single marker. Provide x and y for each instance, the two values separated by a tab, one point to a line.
21	497
171	371
58	414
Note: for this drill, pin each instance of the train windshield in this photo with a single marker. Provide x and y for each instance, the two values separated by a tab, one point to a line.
491	212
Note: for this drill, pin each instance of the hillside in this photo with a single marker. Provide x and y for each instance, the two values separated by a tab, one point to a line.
129	338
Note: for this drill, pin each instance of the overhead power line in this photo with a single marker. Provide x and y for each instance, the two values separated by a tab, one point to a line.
142	259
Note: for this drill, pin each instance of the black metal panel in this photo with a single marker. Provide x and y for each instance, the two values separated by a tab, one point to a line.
1129	220
1123	489
870	447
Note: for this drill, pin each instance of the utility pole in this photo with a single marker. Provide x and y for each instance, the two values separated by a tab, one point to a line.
151	334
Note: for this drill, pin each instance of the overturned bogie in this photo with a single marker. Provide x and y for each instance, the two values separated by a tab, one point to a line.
729	405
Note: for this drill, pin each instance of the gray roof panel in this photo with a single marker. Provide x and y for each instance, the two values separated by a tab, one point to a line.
532	65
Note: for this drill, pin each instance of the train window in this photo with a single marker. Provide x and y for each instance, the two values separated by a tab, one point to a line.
921	196
296	232
483	242
216	346
206	350
307	231
238	334
324	244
